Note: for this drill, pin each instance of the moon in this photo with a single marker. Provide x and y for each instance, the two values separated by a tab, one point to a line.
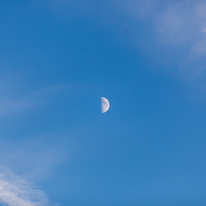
104	104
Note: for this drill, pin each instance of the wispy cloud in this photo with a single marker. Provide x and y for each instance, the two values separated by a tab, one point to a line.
174	32
16	98
14	191
11	106
35	157
182	24
171	21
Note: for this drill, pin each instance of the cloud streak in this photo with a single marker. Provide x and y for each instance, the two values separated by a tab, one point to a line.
174	33
172	21
14	191
171	31
15	99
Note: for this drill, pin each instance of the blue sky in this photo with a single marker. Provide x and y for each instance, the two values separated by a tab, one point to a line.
58	58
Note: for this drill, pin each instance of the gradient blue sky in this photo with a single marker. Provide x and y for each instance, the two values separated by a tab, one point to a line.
57	58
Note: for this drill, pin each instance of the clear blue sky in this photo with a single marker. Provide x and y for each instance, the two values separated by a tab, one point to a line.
58	58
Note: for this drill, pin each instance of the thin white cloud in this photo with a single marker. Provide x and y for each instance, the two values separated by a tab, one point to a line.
175	22
34	157
172	28
17	99
14	191
173	31
11	106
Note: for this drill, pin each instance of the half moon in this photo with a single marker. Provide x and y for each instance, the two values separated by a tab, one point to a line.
104	104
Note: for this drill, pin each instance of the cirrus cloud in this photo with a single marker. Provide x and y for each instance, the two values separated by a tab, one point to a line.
15	191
